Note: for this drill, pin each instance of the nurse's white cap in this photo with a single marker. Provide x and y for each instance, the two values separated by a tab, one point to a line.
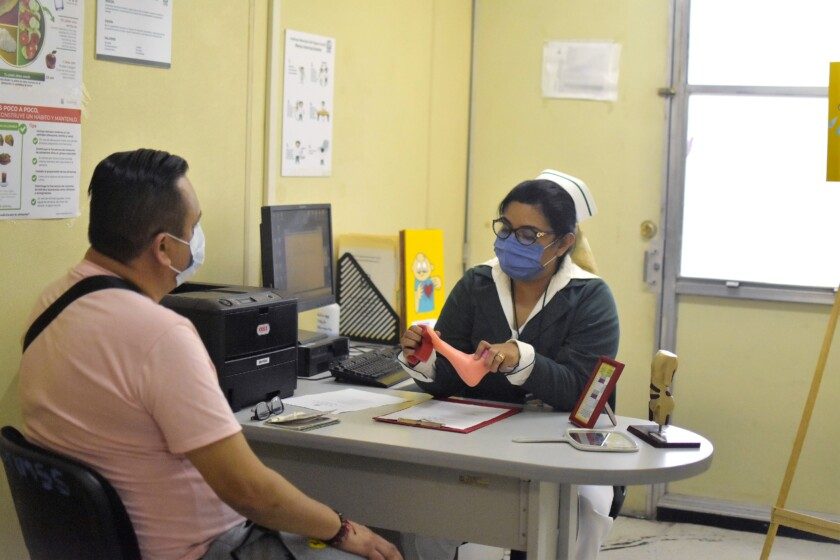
584	203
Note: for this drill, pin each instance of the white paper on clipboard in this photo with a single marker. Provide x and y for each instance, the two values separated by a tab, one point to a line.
440	414
343	400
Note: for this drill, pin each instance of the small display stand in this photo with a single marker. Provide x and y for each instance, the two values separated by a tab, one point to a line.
593	399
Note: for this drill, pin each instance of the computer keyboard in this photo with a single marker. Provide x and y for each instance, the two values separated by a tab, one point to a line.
378	367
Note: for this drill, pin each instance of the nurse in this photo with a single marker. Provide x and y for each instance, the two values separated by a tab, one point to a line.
537	320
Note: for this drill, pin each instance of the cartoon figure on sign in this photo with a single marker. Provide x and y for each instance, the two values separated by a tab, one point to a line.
424	284
323	148
323	112
323	74
298	151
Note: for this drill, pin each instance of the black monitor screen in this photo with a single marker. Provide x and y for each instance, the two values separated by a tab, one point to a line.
296	245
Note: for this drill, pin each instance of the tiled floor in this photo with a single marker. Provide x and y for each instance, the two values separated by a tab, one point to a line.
632	539
637	539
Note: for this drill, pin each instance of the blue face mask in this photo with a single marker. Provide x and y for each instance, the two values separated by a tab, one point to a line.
520	262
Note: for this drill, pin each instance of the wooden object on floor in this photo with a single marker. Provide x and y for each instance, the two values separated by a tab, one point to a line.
780	515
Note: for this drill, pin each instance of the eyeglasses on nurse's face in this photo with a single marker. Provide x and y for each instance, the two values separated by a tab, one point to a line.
526	235
265	409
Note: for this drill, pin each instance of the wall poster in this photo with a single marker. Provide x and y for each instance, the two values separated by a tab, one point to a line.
581	70
308	78
135	31
40	108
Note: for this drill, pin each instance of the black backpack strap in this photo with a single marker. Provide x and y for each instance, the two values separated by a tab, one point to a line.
81	288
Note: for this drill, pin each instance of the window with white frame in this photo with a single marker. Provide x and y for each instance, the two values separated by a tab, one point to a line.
756	205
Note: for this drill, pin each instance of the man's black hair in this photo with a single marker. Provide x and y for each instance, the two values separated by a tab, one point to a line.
133	197
554	202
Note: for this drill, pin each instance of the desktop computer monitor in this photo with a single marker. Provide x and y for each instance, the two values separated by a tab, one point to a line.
296	244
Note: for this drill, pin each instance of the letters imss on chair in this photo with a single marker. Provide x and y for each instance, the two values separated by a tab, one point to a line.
66	509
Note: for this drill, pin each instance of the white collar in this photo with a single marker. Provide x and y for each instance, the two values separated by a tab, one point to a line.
568	271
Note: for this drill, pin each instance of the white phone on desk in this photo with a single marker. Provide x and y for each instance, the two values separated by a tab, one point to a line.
590	440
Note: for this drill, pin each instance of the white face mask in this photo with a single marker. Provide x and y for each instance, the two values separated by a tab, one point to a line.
196	245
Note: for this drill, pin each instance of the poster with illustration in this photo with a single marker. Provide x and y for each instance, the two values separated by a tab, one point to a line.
40	108
308	85
421	254
41	52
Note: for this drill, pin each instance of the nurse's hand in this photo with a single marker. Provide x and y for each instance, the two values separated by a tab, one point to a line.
497	356
410	340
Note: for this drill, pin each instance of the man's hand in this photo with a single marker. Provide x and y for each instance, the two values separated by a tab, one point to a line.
367	544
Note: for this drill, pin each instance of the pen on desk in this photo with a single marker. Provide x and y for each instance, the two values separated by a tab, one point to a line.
422	423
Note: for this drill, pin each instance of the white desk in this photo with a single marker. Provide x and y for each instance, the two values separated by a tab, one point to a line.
478	487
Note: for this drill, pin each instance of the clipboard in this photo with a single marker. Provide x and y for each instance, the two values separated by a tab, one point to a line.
457	415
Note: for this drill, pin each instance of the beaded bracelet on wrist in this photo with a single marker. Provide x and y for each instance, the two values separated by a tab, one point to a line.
342	533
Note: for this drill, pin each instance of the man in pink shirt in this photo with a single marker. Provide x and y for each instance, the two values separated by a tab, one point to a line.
125	385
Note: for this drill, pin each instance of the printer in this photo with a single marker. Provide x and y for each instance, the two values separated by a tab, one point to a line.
250	334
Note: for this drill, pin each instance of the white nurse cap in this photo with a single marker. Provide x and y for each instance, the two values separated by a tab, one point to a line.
584	203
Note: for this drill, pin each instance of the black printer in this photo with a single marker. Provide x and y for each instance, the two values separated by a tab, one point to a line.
250	334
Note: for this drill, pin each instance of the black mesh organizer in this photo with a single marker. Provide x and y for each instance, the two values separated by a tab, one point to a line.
366	315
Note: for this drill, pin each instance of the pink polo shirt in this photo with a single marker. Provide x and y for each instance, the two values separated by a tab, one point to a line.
125	385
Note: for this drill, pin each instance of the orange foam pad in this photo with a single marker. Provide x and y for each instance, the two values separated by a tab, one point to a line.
470	370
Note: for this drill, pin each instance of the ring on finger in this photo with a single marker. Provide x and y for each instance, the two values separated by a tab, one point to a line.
500	356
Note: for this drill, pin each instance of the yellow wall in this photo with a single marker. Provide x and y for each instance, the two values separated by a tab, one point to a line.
745	367
400	139
401	115
617	148
401	100
745	371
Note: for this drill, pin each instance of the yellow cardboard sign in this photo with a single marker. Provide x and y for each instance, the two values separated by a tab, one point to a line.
832	168
422	274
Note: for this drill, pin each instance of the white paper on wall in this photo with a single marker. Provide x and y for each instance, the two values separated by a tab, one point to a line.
581	70
308	84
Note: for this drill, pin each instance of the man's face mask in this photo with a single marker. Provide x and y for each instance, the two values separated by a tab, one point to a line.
520	262
196	245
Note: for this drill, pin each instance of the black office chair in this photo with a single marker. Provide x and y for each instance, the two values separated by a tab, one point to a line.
619	493
66	509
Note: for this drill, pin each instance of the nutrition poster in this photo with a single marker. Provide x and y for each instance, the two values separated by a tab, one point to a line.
39	161
308	78
40	102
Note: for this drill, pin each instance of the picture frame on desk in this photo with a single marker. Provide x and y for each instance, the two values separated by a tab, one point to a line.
600	386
